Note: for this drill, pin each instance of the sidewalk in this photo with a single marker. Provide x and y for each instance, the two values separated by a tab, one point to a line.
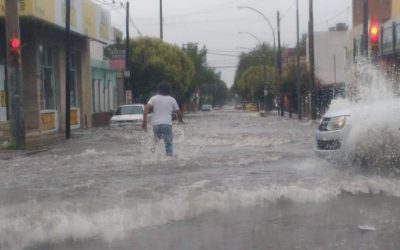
286	116
35	143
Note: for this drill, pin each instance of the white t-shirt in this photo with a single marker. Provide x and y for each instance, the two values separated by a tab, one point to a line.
163	107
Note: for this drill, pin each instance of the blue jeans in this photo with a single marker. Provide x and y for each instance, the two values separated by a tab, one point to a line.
164	131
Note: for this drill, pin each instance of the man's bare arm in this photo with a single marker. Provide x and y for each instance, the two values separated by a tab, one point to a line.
180	116
146	111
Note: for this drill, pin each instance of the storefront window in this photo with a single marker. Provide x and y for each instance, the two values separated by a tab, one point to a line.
74	68
98	95
47	90
104	95
387	39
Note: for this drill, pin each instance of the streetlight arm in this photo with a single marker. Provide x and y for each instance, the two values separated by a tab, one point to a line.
248	33
266	19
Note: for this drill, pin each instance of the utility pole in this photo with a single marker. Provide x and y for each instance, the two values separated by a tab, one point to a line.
67	69
365	29
334	68
127	78
313	109
14	74
279	62
298	82
161	22
264	57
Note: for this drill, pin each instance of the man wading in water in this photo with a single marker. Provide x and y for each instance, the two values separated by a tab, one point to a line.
163	106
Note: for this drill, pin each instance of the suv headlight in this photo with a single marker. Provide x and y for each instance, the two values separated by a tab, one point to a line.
336	123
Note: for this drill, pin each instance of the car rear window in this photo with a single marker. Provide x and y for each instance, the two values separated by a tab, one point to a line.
129	110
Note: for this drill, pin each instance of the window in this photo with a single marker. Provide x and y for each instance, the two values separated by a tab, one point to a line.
74	68
97	95
129	110
47	80
104	95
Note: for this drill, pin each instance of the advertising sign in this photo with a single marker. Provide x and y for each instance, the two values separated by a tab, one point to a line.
87	18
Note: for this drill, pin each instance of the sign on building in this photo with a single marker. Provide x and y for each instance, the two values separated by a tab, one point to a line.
116	59
87	18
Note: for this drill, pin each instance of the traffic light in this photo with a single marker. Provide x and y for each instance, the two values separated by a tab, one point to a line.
15	49
374	33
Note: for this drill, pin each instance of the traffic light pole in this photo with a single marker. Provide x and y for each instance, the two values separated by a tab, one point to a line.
127	79
279	64
67	69
14	76
161	21
365	29
313	108
298	81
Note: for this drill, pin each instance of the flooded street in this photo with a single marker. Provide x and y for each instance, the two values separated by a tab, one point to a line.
237	181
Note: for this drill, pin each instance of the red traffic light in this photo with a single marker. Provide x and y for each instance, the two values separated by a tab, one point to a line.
15	43
374	32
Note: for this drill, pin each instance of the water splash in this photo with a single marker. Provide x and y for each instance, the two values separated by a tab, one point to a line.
374	104
36	222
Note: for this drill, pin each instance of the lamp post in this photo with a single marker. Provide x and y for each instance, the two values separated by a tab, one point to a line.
263	58
266	19
273	34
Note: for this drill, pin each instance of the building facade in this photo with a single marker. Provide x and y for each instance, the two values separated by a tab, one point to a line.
43	64
330	64
331	51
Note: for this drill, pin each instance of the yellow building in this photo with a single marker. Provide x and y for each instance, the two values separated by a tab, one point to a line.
42	25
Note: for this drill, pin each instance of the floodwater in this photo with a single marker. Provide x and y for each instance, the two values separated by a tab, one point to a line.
237	181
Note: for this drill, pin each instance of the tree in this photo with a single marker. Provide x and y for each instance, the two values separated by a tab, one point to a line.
289	81
254	58
205	80
153	61
251	84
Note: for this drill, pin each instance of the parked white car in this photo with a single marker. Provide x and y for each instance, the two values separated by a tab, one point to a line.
128	115
206	107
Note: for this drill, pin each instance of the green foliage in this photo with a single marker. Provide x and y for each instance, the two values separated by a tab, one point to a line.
253	58
215	93
249	62
251	84
289	78
153	61
213	90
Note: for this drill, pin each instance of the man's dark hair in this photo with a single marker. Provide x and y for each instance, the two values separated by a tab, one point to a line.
164	89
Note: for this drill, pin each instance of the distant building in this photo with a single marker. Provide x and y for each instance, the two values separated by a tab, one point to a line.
289	56
107	82
379	10
330	55
387	14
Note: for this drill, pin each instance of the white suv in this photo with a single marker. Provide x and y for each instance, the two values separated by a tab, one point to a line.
332	133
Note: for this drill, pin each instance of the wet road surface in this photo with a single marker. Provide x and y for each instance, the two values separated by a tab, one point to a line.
237	181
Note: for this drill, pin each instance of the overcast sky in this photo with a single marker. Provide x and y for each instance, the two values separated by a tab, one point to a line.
217	23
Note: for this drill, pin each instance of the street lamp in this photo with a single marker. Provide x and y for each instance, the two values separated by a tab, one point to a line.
263	58
252	35
272	30
266	19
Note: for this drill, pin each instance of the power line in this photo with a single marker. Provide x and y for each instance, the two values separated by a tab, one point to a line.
333	17
112	3
221	54
215	8
288	9
224	67
132	22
